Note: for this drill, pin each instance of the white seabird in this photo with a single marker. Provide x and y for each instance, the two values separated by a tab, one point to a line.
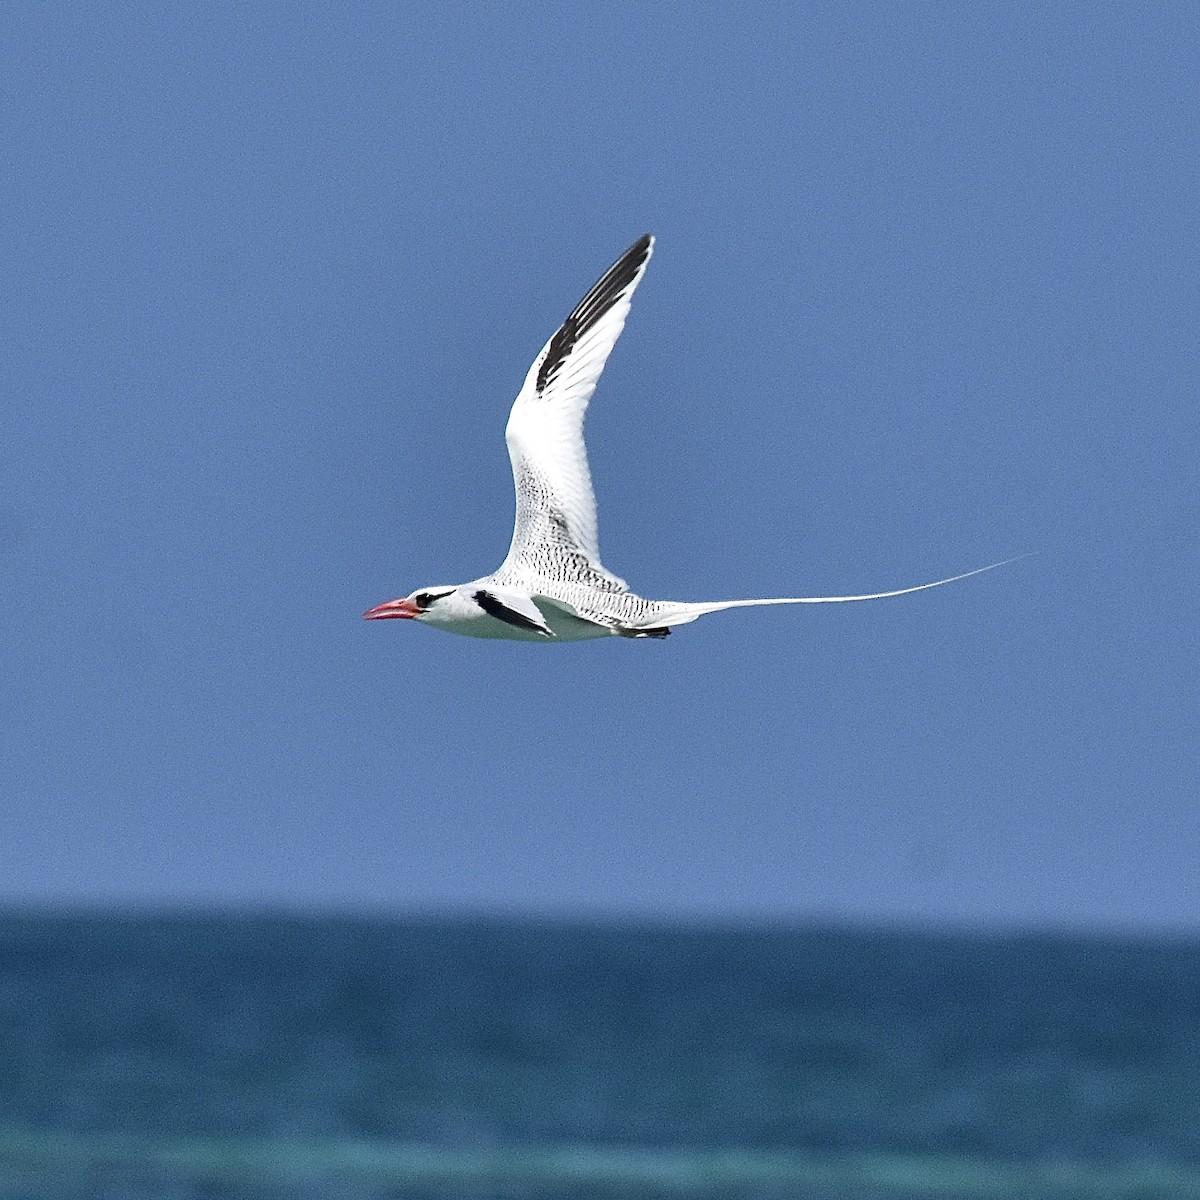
552	585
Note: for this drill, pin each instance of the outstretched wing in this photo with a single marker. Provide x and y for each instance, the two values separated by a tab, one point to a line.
555	536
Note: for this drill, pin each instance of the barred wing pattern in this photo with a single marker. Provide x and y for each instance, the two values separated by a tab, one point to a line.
555	539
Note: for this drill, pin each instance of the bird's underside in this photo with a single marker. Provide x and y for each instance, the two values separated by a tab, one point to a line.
552	585
580	611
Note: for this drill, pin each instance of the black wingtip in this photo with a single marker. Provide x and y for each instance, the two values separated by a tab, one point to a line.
594	305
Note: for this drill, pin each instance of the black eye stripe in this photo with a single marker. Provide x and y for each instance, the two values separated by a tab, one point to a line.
424	599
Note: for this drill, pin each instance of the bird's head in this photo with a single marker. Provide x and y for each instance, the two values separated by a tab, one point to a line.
418	604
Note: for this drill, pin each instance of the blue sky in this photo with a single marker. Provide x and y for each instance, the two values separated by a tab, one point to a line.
925	296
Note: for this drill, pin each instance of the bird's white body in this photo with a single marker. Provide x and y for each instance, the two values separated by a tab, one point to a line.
552	585
459	612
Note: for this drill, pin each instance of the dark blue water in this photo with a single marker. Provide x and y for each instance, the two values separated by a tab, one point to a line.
265	1058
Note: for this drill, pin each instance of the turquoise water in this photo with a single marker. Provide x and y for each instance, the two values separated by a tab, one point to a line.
266	1059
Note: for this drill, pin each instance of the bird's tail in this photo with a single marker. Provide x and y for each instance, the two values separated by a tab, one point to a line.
681	612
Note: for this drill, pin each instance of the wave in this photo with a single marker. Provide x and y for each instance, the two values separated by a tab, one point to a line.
55	1158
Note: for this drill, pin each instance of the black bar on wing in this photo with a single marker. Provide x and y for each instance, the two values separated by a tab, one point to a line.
592	307
495	607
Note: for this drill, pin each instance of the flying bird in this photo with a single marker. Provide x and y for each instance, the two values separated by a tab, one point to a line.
552	585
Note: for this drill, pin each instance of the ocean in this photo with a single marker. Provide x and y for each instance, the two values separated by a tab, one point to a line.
230	1057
